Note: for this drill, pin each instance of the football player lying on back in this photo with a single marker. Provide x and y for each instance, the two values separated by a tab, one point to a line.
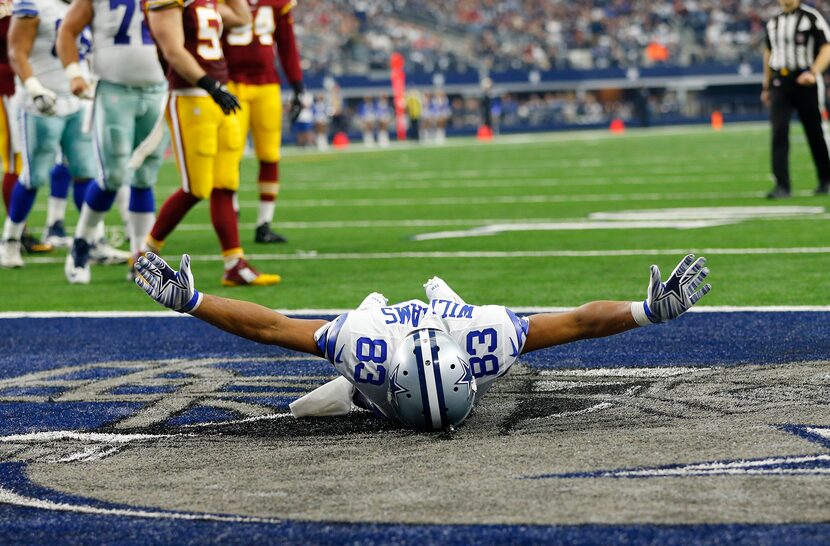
422	364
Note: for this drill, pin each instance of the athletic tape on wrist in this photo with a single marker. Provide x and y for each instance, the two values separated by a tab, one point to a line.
73	70
638	311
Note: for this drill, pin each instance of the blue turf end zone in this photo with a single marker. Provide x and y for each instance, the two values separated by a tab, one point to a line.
32	345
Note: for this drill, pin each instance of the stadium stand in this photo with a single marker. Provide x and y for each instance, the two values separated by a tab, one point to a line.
555	63
501	35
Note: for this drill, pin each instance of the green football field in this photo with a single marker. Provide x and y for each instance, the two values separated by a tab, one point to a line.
527	221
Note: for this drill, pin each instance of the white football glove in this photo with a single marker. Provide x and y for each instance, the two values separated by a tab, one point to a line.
44	99
669	300
171	288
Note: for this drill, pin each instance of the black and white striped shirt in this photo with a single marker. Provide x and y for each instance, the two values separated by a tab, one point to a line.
795	38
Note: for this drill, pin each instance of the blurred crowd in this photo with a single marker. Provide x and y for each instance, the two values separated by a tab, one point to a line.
357	36
431	114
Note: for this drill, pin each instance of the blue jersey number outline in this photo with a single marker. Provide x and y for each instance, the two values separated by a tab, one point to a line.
122	37
480	347
370	350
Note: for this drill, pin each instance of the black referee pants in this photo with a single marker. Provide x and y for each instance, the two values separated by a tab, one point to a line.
785	96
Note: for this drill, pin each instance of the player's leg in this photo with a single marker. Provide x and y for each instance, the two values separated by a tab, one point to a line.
811	104
780	113
243	93
226	181
40	136
114	112
266	127
149	131
193	135
60	182
11	169
7	153
80	153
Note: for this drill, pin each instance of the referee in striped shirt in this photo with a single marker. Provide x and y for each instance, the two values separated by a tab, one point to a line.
796	56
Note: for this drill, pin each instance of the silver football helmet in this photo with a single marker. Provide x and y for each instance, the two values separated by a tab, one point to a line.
431	385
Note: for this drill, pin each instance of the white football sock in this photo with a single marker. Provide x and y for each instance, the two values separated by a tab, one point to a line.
56	212
139	225
266	212
437	288
88	222
12	230
122	201
373	300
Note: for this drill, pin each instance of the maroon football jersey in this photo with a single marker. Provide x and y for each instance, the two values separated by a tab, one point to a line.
251	52
6	72
202	38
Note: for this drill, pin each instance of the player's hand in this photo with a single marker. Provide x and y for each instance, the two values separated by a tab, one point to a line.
81	88
299	101
171	288
806	79
220	94
765	97
668	300
44	99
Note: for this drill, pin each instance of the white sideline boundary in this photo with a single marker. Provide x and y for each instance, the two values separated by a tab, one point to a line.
305	255
10	315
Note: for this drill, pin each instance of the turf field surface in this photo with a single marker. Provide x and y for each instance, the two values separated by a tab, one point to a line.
529	221
711	430
142	427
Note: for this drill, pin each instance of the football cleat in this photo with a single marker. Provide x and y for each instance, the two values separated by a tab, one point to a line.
76	267
264	234
56	235
33	245
10	257
242	274
778	192
102	253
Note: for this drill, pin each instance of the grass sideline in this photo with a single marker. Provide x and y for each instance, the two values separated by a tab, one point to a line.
351	217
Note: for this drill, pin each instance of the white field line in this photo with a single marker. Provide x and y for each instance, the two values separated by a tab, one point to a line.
521	199
10	497
517	199
511	181
496	229
444	222
339	256
10	315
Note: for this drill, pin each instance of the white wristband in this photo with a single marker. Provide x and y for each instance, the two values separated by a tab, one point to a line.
72	71
33	86
638	311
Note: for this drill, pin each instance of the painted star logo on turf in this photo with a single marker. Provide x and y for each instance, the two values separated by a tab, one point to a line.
787	465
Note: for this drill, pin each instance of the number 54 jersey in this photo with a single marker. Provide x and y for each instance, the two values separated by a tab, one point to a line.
361	343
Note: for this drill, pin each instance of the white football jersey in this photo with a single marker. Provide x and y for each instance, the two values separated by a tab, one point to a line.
361	343
46	66
124	51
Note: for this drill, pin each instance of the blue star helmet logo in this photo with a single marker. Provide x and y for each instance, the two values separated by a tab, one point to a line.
467	378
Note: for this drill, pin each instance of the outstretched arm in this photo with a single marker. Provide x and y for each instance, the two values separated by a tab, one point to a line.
175	290
595	319
259	323
664	301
